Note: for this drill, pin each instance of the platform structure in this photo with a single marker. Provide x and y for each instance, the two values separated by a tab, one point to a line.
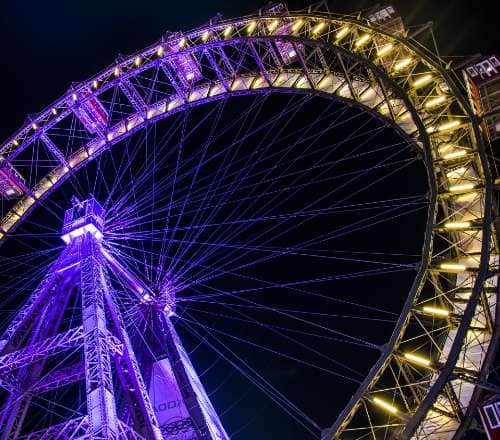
129	394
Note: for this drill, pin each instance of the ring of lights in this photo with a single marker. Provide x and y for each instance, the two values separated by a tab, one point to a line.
424	383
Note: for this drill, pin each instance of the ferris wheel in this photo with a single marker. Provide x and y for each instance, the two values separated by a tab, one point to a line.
283	218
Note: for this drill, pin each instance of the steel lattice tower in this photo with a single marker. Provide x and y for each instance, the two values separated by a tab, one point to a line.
109	365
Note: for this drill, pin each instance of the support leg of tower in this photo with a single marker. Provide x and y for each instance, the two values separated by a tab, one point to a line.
101	404
133	374
16	407
205	422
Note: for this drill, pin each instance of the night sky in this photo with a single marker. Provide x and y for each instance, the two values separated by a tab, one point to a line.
47	45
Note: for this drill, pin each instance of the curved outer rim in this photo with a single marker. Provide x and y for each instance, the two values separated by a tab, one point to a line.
484	264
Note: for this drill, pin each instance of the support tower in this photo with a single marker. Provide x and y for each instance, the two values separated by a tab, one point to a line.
128	393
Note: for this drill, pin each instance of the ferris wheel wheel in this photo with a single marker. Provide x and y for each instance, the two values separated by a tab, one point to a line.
279	224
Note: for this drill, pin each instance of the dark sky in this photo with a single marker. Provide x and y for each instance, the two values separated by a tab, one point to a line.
47	45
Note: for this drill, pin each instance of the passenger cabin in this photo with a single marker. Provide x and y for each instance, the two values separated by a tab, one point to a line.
490	416
11	182
483	87
387	18
89	110
184	64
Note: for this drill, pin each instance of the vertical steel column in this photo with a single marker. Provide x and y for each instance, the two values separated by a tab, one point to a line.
101	404
47	324
201	422
133	373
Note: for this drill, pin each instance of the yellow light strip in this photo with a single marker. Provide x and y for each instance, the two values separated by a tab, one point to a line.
235	84
436	311
343	90
422	81
258	82
457	225
297	25
434	102
302	80
318	28
362	40
273	25
385	405
137	61
326	79
116	72
462	187
417	359
227	31
385	50
367	93
251	27
455	154
161	51
449	125
205	36
341	33
458	172
402	64
453	266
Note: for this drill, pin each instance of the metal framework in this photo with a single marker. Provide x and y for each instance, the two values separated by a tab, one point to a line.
107	351
424	383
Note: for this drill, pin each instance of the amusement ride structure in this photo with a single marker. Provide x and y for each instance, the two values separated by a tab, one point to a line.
76	329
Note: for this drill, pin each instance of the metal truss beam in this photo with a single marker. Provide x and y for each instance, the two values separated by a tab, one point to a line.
54	149
216	69
133	96
260	62
101	403
105	342
37	352
181	92
182	377
16	407
35	303
72	429
59	378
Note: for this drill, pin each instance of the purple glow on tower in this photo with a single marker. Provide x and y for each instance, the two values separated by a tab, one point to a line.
109	369
11	182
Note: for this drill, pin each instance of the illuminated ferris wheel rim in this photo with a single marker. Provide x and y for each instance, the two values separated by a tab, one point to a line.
401	98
